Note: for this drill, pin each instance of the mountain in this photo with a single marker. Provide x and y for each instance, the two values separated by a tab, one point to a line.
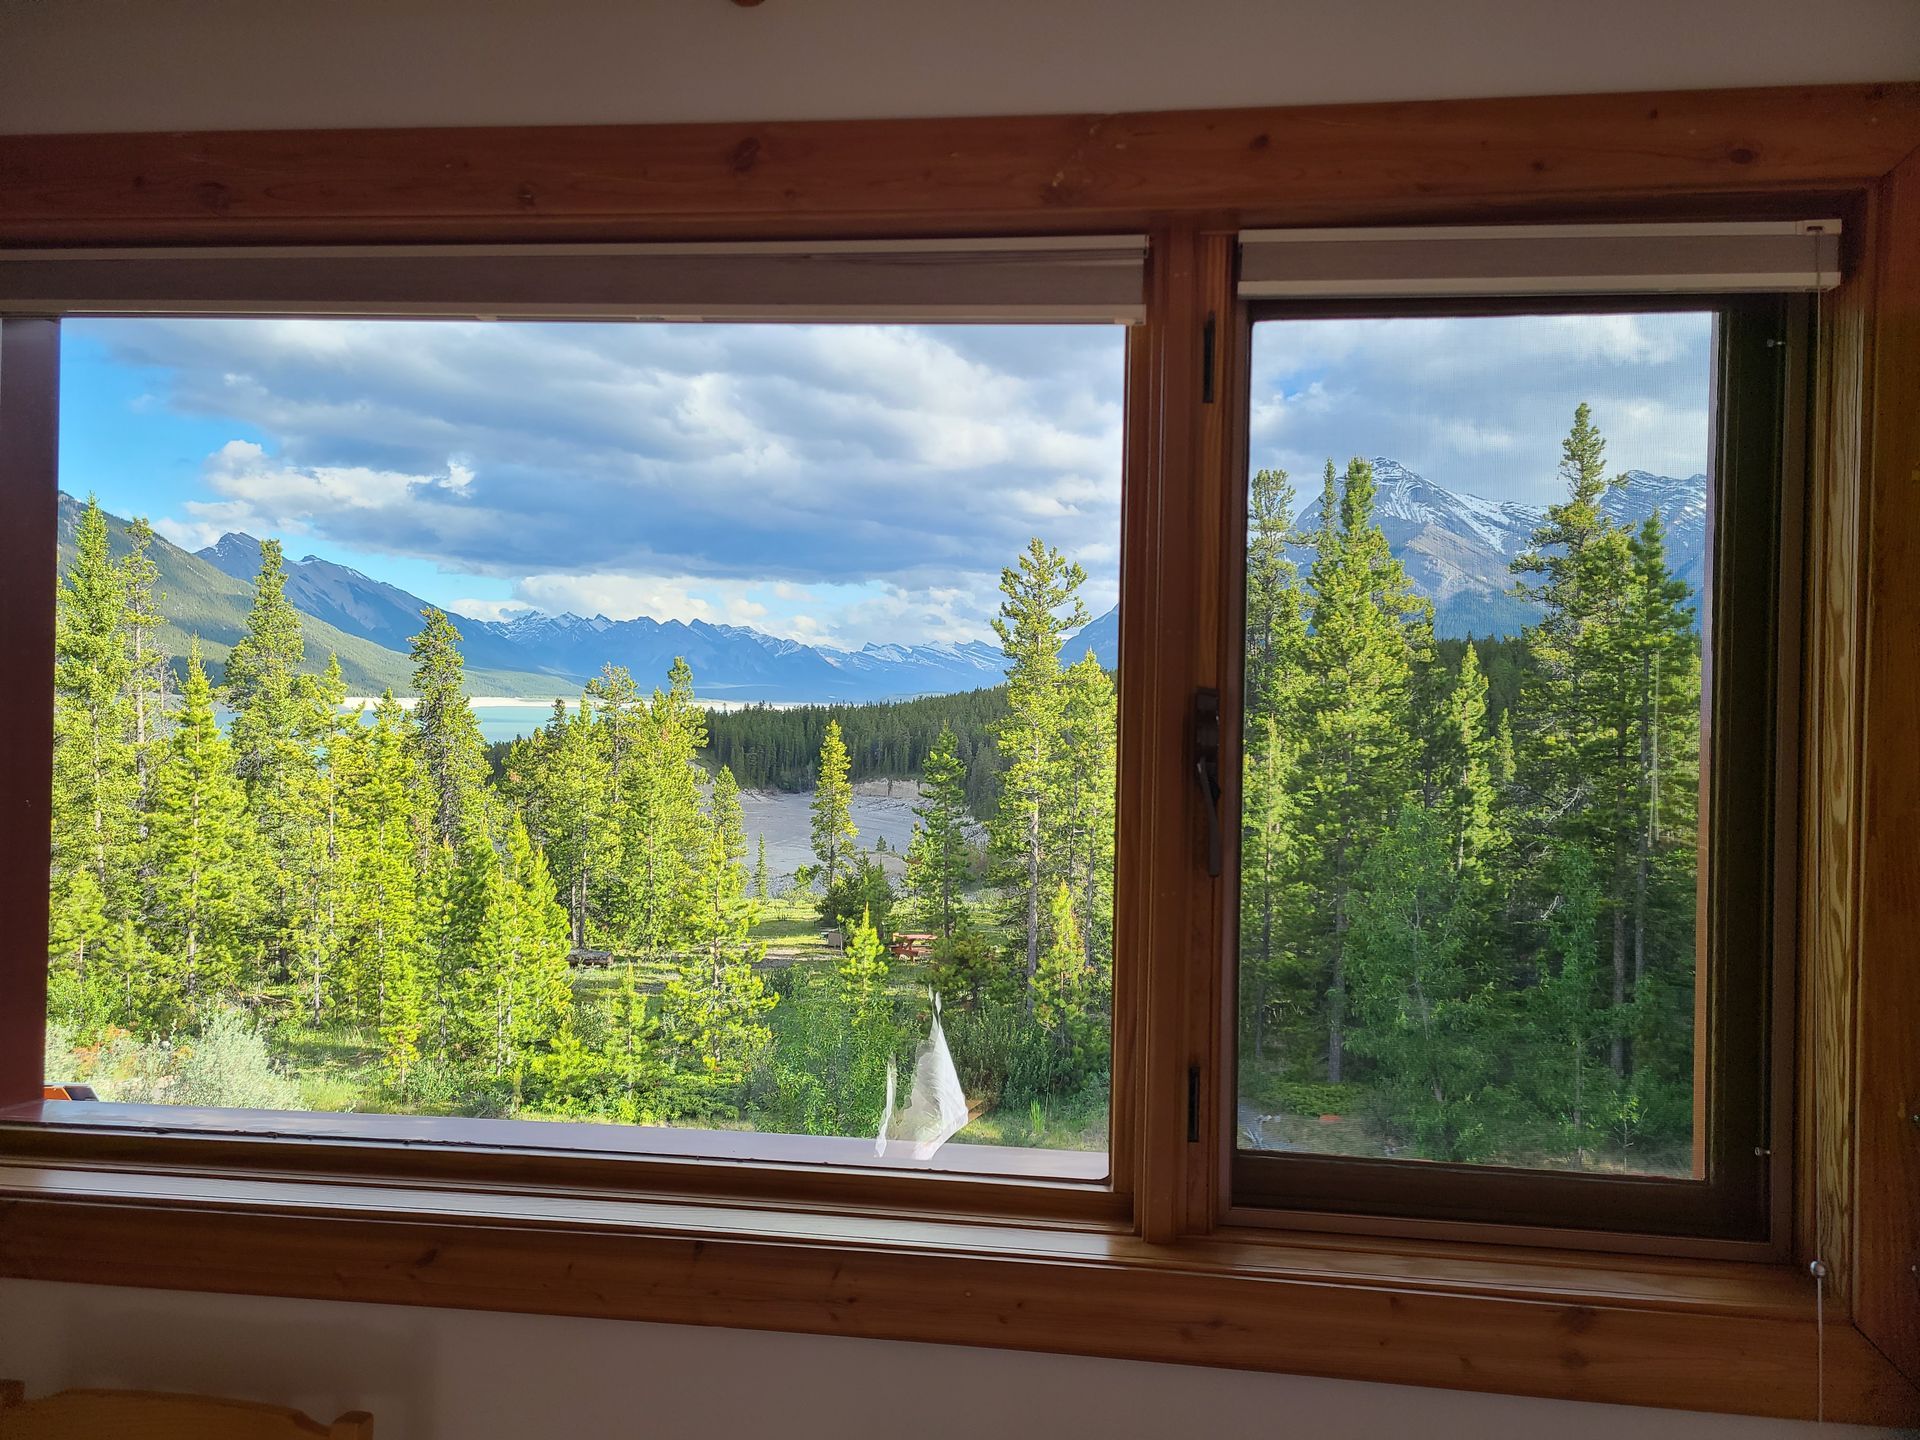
199	599
360	604
1100	635
1457	547
731	662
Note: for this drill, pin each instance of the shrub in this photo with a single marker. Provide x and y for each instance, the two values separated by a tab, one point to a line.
225	1065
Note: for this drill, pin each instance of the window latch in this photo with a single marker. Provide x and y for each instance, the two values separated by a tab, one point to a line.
1206	768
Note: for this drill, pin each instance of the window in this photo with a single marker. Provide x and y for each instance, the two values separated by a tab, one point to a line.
1189	1249
699	728
1515	613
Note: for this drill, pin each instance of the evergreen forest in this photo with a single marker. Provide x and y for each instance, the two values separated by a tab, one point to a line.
1467	869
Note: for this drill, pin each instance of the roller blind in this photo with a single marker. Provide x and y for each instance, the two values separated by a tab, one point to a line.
1497	260
1050	278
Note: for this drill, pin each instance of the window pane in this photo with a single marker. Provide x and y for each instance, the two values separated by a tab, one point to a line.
1471	787
678	726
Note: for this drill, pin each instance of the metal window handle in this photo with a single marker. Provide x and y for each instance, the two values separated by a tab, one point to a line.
1206	769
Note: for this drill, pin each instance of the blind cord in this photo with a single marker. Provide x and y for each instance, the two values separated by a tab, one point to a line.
1819	1271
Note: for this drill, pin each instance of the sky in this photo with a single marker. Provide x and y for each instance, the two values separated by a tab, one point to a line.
1479	404
833	484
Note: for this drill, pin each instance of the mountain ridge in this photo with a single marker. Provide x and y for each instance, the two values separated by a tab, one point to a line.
1456	546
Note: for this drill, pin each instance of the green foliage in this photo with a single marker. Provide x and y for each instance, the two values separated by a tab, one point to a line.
1299	1097
224	1063
863	889
1007	1060
833	828
778	748
446	733
1471	865
203	895
370	874
939	857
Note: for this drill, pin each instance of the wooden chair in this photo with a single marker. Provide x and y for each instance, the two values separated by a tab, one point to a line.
150	1415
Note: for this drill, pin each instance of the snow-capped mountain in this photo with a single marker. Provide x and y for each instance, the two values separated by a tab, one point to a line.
1400	494
1457	547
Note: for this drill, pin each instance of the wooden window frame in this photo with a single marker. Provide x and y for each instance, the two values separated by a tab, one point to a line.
1155	1270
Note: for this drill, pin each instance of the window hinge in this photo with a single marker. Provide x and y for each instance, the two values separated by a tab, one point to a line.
1193	1104
1206	360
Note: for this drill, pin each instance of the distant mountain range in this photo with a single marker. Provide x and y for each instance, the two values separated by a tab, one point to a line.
1456	548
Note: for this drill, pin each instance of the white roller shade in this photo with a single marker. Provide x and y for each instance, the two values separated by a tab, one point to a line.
1049	278
1494	260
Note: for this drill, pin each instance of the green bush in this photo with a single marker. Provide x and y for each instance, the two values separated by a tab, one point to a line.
225	1065
1301	1097
1008	1060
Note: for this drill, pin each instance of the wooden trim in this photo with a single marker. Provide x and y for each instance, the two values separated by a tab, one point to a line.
1830	775
1887	1155
1738	1338
1046	1187
29	574
1321	165
1164	638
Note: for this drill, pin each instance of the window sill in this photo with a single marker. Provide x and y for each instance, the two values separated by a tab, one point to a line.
1682	1333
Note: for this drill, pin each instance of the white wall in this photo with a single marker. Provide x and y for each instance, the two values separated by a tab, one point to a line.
202	64
464	1375
194	64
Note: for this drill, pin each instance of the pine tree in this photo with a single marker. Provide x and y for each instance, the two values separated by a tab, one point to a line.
263	688
1271	963
760	882
713	1009
1368	632
318	877
95	780
1420	1012
1459	766
1062	989
863	969
1040	602
147	672
383	907
260	673
525	990
663	834
1661	657
638	1074
1082	824
833	829
451	750
937	858
1578	756
200	855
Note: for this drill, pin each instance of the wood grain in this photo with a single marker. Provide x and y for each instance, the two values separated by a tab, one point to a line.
29	443
1293	165
1830	781
1157	641
1218	502
1115	1297
1887	1254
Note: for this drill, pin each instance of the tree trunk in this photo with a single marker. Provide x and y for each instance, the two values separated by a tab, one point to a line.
1033	900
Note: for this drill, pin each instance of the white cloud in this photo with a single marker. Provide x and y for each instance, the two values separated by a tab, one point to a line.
620	467
1480	403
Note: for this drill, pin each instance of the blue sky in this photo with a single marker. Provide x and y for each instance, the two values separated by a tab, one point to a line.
833	484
